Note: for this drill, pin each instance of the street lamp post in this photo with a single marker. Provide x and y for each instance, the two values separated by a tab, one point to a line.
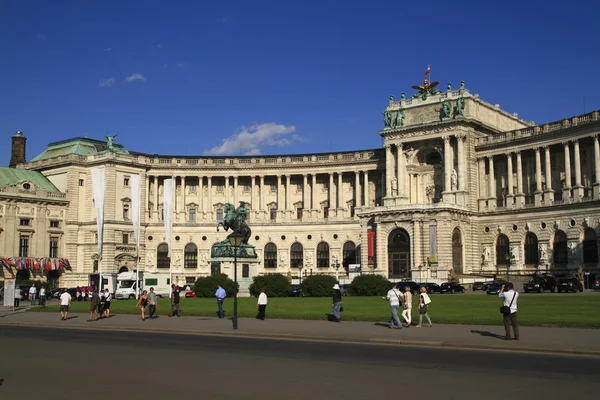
300	274
336	265
235	240
507	259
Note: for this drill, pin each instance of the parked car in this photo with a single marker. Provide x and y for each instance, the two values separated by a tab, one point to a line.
296	291
414	287
478	286
451	287
540	284
487	284
431	287
190	294
494	288
569	285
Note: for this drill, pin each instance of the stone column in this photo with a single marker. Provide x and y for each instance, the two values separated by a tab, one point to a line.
262	207
174	217
510	197
482	200
201	196
492	186
461	163
520	199
305	199
417	249
279	198
578	190
401	171
157	196
389	170
313	195
448	196
253	199
340	191
549	193
235	191
226	189
148	197
366	189
538	178
209	206
183	208
357	199
331	196
567	187
288	192
597	167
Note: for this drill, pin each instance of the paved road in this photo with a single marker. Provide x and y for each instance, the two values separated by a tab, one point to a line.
124	365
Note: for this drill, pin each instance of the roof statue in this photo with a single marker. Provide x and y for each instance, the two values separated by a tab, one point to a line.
426	89
110	140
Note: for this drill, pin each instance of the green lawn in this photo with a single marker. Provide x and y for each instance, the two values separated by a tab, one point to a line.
534	310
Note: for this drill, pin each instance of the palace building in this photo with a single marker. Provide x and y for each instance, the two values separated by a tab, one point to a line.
460	185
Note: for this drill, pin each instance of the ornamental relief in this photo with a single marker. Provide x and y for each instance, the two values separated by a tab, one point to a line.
425	132
25	210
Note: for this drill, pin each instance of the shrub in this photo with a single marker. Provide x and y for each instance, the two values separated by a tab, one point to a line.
207	286
369	285
275	285
318	285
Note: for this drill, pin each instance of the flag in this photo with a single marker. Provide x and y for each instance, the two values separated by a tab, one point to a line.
168	211
428	71
136	199
36	263
67	264
98	188
47	266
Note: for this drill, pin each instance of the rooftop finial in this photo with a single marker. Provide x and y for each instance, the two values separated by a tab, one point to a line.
18	134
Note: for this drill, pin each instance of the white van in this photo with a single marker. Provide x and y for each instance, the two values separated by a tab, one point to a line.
127	285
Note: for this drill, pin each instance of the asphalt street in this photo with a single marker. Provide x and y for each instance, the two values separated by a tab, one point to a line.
68	364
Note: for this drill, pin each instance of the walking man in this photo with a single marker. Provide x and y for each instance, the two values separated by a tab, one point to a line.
94	304
337	303
65	302
107	299
393	296
262	305
220	294
509	297
32	294
175	301
152	302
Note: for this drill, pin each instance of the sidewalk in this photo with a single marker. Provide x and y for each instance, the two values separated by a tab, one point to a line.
551	340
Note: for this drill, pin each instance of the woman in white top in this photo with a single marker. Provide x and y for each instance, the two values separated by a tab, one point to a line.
262	305
424	301
407	312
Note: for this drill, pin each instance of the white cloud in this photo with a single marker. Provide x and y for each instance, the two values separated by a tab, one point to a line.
250	140
135	77
108	82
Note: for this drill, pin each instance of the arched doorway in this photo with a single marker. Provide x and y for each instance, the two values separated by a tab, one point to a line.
502	251
560	252
532	256
399	254
22	275
590	246
457	251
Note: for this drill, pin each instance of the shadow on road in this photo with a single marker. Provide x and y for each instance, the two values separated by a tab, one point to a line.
72	317
381	324
489	334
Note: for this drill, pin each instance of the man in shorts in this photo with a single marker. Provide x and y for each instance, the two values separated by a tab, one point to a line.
107	299
65	302
94	301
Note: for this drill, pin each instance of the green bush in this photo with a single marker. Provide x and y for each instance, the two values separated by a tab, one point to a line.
275	285
207	286
369	285
318	285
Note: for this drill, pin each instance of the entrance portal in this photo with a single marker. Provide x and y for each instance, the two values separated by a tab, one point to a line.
399	254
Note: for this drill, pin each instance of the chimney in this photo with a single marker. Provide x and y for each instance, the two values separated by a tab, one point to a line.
17	155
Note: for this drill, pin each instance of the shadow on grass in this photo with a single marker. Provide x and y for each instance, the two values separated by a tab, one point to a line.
489	334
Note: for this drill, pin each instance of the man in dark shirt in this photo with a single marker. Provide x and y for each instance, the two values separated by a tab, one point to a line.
94	304
175	301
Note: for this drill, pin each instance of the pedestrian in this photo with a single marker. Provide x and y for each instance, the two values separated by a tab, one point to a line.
142	304
393	296
100	303
424	301
94	305
152	302
65	302
32	294
262	304
17	296
337	303
175	302
220	294
407	306
107	299
78	294
509	309
43	296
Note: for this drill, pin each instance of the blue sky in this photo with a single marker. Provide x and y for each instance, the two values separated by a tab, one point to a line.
273	77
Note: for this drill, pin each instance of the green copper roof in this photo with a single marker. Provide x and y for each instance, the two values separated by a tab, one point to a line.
13	176
80	147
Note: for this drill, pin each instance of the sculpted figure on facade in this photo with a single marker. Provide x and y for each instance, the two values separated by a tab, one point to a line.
454	180
387	119
150	259
177	259
399	118
459	111
446	110
485	255
543	253
110	140
514	253
394	187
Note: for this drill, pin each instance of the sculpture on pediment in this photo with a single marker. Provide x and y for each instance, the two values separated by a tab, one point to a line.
446	110
110	140
459	110
387	119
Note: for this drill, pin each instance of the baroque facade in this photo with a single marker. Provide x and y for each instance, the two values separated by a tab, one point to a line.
459	185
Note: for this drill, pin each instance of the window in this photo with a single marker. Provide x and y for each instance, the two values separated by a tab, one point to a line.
590	246
502	250
270	258
54	224
26	186
53	247
126	238
325	212
95	267
190	280
299	212
323	255
162	256
560	250
24	246
219	214
81	182
126	181
531	249
192	214
25	222
190	256
215	267
273	214
220	188
296	256
193	188
245	271
352	210
125	211
349	254
150	282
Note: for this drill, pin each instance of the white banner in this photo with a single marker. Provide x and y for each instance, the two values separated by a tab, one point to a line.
168	210
98	189
9	292
136	199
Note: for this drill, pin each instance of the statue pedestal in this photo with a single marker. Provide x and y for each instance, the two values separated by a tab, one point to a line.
461	198
247	268
566	195
578	193
520	200
449	197
549	197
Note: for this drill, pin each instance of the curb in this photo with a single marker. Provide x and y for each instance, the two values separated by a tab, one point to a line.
282	336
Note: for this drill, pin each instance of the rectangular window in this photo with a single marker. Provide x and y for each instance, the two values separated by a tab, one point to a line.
325	212
24	246
192	214
53	247
219	214
25	222
126	238
81	182
54	224
273	214
125	211
190	280
273	188
245	270
247	188
126	181
150	282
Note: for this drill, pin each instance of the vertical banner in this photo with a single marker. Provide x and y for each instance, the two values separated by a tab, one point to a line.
136	199
9	292
168	210
371	247
98	188
433	243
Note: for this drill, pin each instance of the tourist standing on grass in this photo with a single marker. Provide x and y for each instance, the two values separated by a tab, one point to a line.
17	296
107	299
262	305
43	297
142	304
220	294
65	302
152	302
393	296
32	294
175	302
510	296
94	306
424	301
407	311
337	303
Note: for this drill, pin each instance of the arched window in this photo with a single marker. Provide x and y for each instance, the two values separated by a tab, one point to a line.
532	255
162	256
190	256
349	252
502	250
559	249
270	257
323	255
297	255
457	251
590	246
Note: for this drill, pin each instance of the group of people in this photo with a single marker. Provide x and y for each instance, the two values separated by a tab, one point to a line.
149	300
261	303
32	295
99	304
